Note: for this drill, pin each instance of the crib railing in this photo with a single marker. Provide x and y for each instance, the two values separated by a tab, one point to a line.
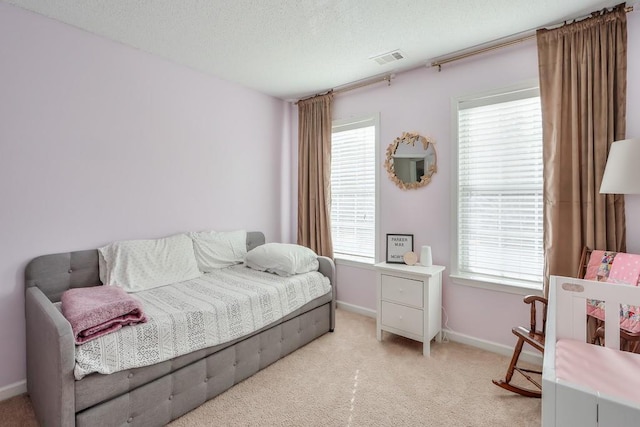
567	319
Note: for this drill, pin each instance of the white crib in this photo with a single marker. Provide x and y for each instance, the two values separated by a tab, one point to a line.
584	384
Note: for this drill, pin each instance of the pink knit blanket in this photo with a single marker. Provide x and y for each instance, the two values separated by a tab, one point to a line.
98	310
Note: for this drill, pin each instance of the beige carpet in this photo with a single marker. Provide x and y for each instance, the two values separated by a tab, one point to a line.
348	378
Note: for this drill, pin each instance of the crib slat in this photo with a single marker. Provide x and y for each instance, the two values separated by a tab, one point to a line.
564	311
612	323
579	313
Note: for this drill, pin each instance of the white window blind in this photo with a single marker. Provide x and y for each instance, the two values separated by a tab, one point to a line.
500	210
353	189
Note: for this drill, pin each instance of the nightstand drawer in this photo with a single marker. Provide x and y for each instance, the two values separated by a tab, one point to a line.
403	318
402	290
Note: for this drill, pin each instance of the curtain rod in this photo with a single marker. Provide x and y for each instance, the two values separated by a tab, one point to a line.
500	45
362	83
437	63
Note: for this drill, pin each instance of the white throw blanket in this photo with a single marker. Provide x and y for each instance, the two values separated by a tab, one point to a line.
212	309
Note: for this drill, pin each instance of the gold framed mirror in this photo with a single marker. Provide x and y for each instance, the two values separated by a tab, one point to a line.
411	161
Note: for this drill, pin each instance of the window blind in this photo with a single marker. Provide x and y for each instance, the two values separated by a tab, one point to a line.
500	205
353	193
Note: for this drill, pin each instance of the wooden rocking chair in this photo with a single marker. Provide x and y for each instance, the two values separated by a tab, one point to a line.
533	337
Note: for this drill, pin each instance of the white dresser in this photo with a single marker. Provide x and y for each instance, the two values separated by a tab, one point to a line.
410	302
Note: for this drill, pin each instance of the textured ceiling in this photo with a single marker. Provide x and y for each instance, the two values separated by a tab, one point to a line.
295	48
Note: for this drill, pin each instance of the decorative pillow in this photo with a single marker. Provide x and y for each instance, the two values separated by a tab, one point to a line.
283	259
599	265
137	265
625	269
605	265
594	264
216	250
598	270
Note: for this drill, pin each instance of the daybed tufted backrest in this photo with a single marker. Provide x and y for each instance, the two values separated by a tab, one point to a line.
254	238
56	273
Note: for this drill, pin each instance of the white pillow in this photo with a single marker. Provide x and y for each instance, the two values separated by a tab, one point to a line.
137	265
283	259
216	249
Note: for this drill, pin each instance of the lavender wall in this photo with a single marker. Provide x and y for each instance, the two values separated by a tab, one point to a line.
421	101
100	142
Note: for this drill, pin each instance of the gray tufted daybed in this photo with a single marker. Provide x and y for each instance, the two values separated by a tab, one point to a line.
151	395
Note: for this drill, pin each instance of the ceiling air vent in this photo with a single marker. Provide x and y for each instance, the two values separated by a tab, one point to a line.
385	58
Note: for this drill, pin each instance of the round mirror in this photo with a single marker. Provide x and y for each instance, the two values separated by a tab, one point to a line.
411	161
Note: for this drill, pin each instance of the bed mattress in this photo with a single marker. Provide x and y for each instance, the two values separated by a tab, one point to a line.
604	370
215	308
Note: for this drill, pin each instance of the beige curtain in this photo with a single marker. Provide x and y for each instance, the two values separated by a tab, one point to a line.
314	174
583	82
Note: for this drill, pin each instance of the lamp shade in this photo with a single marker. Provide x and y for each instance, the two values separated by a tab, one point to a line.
622	172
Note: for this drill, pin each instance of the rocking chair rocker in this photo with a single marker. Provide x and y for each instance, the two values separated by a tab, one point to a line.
533	337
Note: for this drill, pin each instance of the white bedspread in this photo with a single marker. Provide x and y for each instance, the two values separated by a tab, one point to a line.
212	309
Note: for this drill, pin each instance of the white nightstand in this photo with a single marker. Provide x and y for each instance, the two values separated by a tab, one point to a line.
410	302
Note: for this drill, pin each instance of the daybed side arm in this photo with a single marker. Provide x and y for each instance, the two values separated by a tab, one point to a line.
328	268
532	299
50	361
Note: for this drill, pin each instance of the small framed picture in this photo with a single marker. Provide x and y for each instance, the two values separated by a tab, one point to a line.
397	246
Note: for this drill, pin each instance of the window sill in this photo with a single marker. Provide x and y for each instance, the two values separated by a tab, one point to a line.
511	287
353	261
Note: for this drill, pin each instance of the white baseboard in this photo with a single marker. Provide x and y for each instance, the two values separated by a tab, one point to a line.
12	390
525	356
356	309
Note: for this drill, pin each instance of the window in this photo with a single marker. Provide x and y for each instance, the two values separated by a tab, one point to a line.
499	188
353	189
